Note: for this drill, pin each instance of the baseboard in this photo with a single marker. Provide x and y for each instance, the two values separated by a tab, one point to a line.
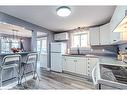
48	69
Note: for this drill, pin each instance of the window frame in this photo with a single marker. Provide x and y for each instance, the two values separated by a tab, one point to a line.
80	44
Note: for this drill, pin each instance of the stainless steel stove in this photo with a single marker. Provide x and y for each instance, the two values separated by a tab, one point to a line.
110	76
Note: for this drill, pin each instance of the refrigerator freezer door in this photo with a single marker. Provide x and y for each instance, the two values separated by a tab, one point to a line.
56	62
56	47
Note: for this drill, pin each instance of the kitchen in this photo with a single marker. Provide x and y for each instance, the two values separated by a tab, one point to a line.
74	52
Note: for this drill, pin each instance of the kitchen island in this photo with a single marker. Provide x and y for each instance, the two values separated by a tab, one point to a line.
9	74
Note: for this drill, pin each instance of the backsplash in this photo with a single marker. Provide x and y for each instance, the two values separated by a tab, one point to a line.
123	47
111	48
98	50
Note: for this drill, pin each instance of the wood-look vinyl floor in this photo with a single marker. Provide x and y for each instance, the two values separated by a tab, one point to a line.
52	80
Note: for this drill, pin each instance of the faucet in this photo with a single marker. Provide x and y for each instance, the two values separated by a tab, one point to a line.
78	50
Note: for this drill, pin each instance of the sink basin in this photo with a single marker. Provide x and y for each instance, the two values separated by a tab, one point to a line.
78	55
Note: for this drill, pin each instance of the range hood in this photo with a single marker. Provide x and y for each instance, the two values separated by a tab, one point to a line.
122	26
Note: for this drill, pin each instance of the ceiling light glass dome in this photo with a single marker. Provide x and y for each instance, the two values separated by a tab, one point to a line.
63	11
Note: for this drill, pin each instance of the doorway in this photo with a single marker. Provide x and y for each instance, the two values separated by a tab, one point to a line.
42	52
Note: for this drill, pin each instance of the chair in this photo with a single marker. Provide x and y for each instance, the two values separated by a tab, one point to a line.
10	61
31	59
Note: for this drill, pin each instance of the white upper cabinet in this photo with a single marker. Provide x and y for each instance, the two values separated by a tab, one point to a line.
117	17
105	34
61	36
115	37
94	35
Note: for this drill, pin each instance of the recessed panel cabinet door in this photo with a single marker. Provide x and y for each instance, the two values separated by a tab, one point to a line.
64	63
94	35
81	66
70	64
105	34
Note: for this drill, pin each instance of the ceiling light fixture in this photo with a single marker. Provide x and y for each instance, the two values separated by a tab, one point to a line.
63	11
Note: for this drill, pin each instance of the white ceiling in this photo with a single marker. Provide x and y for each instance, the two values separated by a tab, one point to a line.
45	16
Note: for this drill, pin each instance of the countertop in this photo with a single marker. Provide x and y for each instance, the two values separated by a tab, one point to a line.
21	53
102	59
81	55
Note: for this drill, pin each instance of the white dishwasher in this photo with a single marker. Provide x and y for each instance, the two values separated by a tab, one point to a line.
110	76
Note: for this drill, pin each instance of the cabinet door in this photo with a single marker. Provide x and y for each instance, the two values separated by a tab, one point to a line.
115	37
64	63
64	36
70	64
56	37
105	34
61	36
94	36
81	66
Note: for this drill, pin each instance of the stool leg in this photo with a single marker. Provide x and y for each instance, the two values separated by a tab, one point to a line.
17	72
26	85
35	72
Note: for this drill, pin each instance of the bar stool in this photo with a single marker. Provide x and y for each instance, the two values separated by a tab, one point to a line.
10	61
31	59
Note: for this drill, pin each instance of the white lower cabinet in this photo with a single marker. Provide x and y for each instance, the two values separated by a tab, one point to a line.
79	65
70	64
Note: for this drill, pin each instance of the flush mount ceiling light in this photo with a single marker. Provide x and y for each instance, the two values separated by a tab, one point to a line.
63	11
